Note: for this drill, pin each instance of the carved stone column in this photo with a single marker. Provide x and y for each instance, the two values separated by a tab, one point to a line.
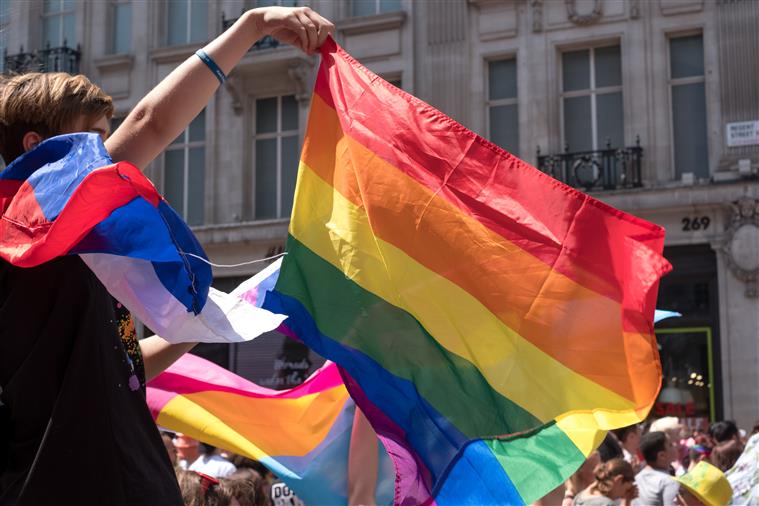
741	244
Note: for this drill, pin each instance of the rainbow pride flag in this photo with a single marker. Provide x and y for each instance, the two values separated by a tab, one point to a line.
492	321
303	435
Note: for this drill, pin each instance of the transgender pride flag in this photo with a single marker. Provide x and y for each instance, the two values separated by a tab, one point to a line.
67	197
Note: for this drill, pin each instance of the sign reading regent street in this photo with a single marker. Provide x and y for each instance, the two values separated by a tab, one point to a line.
742	133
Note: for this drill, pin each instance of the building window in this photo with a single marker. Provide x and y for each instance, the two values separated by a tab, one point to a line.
371	7
184	172
283	3
686	81
59	23
592	98
121	30
4	21
187	21
503	111
276	156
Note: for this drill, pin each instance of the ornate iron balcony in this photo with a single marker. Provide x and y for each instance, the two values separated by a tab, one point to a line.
604	169
50	59
268	42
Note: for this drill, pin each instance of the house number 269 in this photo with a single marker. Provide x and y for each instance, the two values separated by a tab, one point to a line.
692	224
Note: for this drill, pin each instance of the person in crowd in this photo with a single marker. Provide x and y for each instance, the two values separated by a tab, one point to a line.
247	487
199	489
656	487
672	426
704	485
211	463
699	448
188	450
59	340
726	454
579	481
168	442
610	448
723	431
614	484
629	439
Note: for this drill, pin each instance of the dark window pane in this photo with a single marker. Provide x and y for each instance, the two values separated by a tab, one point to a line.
266	179
289	113
177	22
173	179
266	115
199	21
390	5
290	157
266	3
197	129
686	56
689	125
608	65
122	28
196	185
575	66
504	127
51	29
52	6
69	31
502	79
578	131
609	120
363	7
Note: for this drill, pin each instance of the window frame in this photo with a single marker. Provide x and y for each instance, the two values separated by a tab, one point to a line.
377	9
61	14
591	92
188	24
185	146
278	134
113	4
490	103
672	82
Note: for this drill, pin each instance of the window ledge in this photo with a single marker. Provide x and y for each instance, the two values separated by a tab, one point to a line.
375	23
114	62
173	53
249	231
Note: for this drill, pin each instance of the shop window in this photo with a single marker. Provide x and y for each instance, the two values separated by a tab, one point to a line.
371	7
592	98
187	21
502	105
688	96
276	156
184	172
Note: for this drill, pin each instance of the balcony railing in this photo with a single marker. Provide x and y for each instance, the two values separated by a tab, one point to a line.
268	42
50	59
604	169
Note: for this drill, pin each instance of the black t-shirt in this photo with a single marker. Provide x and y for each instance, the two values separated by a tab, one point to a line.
73	402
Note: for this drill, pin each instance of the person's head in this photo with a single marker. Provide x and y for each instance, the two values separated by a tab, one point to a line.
187	447
199	489
610	448
671	425
247	487
657	449
36	106
704	485
629	438
168	442
724	431
614	478
725	455
206	449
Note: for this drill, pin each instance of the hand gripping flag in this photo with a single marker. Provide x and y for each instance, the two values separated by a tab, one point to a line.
493	321
66	197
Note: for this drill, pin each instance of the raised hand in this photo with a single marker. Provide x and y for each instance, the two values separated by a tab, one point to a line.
297	26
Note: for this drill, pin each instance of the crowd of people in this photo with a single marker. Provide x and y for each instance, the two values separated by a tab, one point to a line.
665	463
209	476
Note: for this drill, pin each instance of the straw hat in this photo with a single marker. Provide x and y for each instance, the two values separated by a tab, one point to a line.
708	484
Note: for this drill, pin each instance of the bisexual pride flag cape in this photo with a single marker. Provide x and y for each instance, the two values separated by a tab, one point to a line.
493	322
67	197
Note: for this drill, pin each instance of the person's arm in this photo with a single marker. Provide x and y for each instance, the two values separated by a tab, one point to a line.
158	354
167	110
669	492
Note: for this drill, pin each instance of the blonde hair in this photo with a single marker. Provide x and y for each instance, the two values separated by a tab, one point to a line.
46	103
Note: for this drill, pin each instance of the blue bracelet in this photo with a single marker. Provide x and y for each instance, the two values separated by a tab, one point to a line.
211	65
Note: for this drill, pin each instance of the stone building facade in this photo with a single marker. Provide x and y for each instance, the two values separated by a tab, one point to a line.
649	105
